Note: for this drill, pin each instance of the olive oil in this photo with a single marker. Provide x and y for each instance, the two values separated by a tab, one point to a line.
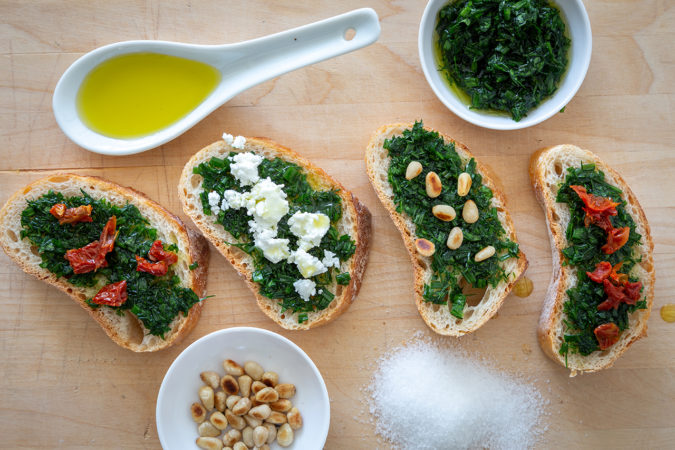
137	94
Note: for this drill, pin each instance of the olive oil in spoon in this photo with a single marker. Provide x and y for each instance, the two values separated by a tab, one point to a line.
137	94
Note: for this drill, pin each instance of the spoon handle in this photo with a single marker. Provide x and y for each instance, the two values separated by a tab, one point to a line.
252	62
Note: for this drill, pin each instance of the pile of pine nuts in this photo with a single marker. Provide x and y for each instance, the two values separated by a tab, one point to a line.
447	213
248	405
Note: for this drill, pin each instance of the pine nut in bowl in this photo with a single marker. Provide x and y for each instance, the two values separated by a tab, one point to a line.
541	87
287	403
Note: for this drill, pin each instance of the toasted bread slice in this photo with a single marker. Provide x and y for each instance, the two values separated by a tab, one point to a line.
355	221
125	330
548	168
438	318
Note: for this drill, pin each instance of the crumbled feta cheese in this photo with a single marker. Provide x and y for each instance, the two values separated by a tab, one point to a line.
304	245
228	138
232	199
309	227
273	248
256	228
266	202
214	202
214	198
330	260
305	288
308	265
239	142
244	166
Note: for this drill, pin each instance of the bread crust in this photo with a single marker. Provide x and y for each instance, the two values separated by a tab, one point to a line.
377	164
548	164
128	331
355	215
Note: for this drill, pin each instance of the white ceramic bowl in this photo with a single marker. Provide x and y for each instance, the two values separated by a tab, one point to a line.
579	31
175	426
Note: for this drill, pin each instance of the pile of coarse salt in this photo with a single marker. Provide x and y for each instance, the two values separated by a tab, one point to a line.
424	396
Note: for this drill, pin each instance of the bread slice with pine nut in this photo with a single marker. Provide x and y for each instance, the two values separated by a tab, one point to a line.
548	172
425	203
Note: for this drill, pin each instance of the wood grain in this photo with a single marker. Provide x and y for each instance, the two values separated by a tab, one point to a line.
64	384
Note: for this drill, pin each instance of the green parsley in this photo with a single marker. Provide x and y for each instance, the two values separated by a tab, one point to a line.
344	278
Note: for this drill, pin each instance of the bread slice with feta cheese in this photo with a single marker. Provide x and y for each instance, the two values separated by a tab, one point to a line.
355	221
438	317
124	329
548	168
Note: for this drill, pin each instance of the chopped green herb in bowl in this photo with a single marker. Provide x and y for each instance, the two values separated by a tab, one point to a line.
505	64
505	55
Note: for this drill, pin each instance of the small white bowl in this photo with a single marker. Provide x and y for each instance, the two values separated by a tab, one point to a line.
579	31
273	352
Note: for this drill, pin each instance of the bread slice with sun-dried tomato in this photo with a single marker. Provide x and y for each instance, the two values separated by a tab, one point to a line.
124	329
548	169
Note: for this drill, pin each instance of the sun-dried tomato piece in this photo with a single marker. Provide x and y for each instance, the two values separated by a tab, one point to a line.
626	292
58	210
108	236
607	335
614	293
597	209
632	291
614	296
157	253
600	219
91	257
616	238
86	259
71	215
608	304
596	203
158	269
114	294
602	271
616	277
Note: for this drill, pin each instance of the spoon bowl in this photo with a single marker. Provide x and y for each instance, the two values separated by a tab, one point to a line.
241	66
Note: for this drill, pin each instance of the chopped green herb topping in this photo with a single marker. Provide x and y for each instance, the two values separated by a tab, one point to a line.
449	266
507	55
276	279
584	252
156	301
344	278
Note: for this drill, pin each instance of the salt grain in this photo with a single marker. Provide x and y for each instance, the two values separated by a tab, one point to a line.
427	397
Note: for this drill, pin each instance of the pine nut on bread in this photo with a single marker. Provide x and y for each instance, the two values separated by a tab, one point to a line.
355	221
548	169
438	317
125	330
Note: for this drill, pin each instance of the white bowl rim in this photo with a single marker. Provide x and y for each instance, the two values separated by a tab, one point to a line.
162	389
485	120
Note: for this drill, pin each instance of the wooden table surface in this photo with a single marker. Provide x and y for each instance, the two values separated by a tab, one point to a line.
63	383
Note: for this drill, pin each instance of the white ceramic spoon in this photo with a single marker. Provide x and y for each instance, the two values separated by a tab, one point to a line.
241	65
